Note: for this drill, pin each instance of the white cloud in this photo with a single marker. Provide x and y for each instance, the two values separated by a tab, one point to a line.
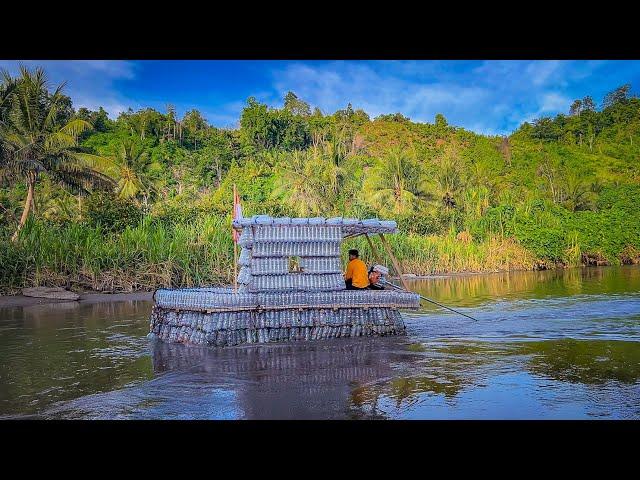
331	87
540	72
554	102
90	83
489	96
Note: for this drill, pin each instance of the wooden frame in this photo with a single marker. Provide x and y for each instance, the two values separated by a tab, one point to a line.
394	261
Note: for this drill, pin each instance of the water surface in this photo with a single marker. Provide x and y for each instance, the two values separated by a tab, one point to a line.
559	345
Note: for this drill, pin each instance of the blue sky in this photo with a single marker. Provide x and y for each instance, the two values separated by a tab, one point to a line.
491	97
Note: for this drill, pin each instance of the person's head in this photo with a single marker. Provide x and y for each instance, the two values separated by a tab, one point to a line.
374	276
353	254
376	272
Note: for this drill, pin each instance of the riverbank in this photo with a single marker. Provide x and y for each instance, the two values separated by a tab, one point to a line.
98	297
88	297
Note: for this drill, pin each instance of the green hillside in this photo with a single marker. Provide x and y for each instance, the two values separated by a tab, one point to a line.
144	200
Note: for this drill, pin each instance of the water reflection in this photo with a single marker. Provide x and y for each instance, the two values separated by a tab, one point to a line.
570	379
546	345
308	380
433	369
471	290
588	362
60	351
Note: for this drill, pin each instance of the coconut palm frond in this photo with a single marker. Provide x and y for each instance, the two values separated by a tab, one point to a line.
103	164
76	127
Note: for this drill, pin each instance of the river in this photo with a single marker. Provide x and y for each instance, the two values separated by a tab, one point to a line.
546	345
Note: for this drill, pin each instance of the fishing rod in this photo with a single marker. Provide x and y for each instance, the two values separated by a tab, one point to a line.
427	299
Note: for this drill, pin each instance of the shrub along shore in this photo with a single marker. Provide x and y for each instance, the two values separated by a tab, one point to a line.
153	254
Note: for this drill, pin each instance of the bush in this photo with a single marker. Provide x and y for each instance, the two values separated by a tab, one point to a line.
419	224
496	221
111	213
544	242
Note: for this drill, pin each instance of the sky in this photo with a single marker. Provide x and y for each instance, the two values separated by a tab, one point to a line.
491	97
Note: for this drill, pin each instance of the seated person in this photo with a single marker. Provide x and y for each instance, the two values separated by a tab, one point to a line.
375	275
355	277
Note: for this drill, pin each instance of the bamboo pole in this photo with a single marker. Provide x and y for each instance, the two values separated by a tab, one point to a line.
374	250
235	267
235	245
396	264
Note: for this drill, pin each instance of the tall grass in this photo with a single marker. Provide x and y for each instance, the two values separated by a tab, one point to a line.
424	255
144	257
154	254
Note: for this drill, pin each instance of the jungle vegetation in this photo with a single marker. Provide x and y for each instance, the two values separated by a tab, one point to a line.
144	200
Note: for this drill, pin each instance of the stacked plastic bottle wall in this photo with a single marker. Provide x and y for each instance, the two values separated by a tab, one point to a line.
290	287
236	328
225	298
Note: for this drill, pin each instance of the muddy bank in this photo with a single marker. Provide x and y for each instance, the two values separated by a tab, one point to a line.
89	297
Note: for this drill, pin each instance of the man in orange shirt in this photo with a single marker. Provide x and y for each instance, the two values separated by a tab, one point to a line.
356	278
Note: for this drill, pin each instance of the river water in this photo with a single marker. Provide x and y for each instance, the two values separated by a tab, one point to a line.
547	345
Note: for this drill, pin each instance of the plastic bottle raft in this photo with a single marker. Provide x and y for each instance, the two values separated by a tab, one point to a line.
290	287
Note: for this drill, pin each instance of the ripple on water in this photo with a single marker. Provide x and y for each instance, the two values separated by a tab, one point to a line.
563	345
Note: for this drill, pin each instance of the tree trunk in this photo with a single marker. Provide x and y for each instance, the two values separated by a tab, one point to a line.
27	208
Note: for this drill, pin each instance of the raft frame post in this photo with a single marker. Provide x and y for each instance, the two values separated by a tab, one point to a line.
394	261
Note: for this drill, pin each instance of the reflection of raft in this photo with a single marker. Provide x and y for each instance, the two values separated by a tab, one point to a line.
290	288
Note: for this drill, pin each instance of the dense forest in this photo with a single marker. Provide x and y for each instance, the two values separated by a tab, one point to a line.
144	200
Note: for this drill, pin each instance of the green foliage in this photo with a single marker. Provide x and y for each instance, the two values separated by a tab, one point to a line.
263	128
109	213
147	255
556	190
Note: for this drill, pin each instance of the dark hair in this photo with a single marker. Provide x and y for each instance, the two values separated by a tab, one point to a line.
354	252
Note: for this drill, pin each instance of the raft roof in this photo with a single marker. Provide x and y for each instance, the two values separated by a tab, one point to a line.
350	226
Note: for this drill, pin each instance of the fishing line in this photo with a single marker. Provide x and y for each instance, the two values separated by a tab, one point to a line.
428	300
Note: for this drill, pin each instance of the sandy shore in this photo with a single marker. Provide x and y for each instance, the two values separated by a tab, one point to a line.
89	297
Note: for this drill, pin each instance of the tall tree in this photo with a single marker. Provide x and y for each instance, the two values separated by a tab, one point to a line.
194	124
576	108
34	143
588	105
7	88
505	149
296	106
619	95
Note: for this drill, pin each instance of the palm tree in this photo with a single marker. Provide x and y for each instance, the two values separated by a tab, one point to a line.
129	162
445	182
391	183
308	181
7	87
33	142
